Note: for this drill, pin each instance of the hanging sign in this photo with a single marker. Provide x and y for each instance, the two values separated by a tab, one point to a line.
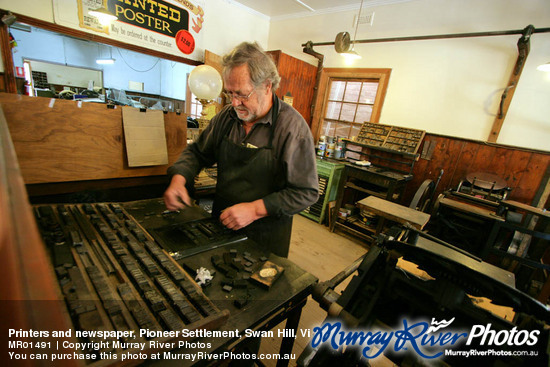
171	26
157	16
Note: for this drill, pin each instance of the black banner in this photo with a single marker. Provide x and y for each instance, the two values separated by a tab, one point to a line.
154	15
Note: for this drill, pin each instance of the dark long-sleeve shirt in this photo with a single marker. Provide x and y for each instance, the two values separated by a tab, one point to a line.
293	148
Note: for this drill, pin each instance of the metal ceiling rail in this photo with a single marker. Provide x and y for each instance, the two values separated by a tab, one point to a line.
438	36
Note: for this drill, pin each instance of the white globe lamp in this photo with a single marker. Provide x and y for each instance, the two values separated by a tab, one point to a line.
206	84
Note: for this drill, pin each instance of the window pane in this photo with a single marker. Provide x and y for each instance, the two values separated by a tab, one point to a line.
353	89
355	129
328	128
364	113
368	92
342	130
333	110
348	112
337	90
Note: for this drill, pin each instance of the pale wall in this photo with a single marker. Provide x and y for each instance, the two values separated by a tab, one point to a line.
452	86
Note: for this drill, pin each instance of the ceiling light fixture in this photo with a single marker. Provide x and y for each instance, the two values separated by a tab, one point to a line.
103	15
105	61
343	44
544	67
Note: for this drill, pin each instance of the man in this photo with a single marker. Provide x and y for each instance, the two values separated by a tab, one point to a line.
264	151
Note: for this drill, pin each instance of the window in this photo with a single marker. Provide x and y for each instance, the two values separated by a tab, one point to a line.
351	97
196	107
349	104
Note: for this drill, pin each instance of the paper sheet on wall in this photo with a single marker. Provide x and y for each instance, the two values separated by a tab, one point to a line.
145	137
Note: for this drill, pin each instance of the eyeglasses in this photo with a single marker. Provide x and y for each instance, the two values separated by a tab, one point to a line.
238	97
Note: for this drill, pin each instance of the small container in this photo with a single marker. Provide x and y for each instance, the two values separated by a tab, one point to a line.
321	148
340	150
330	150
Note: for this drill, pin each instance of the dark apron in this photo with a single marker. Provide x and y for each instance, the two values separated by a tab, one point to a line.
247	174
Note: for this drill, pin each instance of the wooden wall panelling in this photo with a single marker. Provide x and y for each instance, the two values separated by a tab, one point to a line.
514	165
482	160
297	77
522	169
531	179
68	142
466	154
28	290
444	157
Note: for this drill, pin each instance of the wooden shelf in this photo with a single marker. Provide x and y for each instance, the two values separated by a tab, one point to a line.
356	233
356	221
366	191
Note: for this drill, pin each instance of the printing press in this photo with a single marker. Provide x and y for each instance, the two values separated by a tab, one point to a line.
427	279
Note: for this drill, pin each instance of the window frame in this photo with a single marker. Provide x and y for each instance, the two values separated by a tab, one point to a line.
330	74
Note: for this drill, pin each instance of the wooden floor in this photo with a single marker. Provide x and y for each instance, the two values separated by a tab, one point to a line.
324	254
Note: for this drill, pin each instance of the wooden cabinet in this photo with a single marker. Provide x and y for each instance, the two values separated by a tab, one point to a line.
297	80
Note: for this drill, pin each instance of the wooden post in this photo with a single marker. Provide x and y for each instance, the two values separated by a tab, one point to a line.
7	58
508	94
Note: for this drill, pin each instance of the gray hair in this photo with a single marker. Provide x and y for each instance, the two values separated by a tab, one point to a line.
260	65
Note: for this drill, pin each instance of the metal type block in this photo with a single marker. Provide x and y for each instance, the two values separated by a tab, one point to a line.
232	274
173	270
171	320
130	224
123	234
216	260
227	281
155	300
227	288
135	246
116	208
237	265
76	239
240	303
88	209
250	258
227	258
240	284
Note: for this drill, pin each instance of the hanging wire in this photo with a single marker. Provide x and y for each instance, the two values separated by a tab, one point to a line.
139	71
357	22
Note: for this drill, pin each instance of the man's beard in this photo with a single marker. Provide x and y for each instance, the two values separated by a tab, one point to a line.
248	116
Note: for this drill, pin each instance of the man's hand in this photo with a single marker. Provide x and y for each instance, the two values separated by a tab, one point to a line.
240	215
176	195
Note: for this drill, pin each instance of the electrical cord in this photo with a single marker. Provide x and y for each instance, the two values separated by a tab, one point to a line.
139	71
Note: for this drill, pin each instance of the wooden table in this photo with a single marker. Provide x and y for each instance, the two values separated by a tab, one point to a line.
395	212
265	309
